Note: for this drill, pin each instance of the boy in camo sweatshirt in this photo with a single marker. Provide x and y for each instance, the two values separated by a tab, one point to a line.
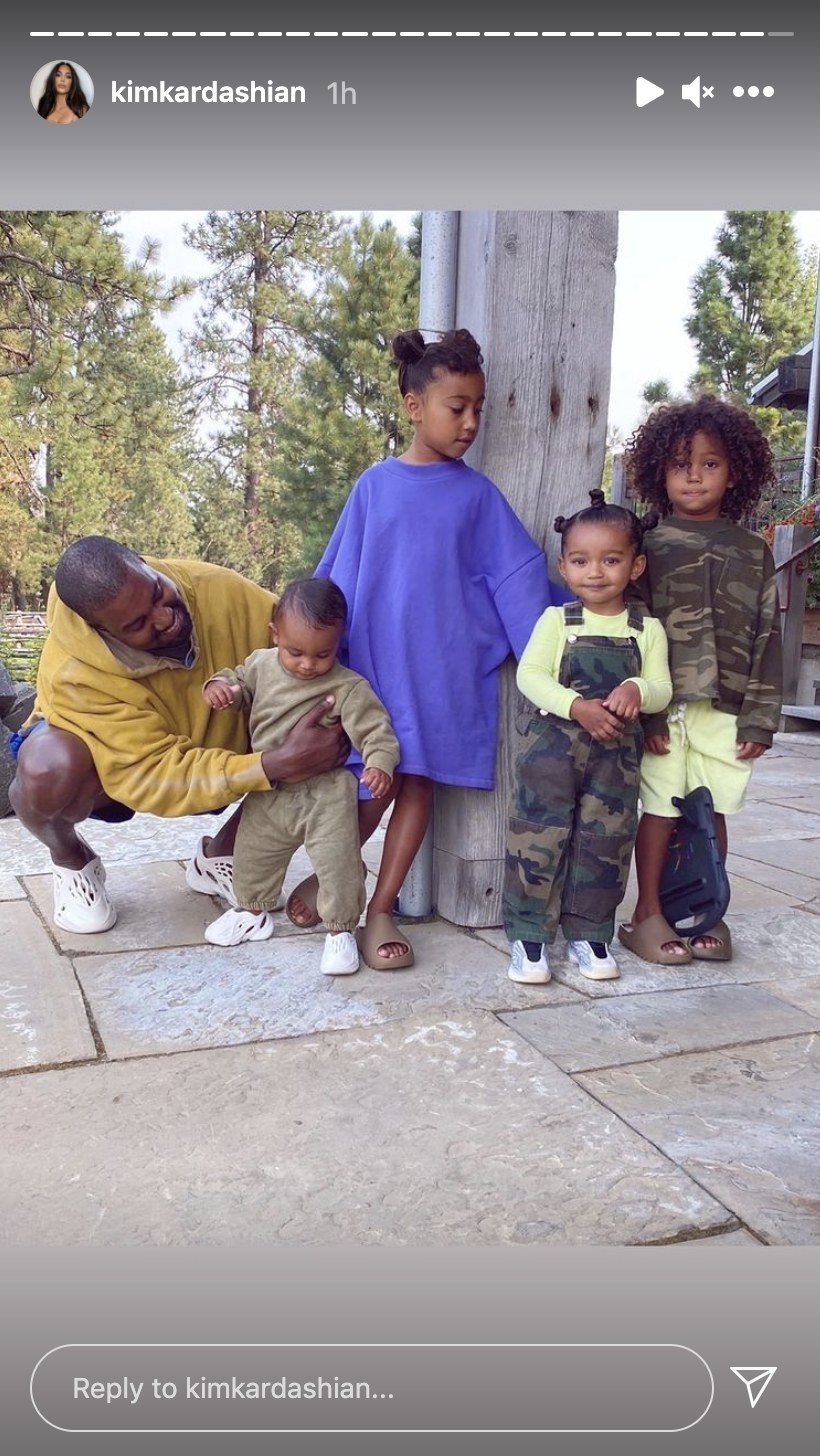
711	583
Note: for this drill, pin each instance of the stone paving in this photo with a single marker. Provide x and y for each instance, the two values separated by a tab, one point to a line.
158	1090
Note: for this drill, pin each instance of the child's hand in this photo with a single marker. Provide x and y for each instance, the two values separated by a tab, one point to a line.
220	694
625	700
377	781
748	751
596	719
657	743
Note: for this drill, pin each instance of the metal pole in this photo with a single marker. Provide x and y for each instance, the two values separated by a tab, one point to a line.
437	312
810	457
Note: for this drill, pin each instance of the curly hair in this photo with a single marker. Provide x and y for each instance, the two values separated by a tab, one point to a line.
670	428
601	513
419	362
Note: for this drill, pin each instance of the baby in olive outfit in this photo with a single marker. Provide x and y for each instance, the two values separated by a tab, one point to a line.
280	684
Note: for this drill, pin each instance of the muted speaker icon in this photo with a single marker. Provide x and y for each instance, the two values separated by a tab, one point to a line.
691	92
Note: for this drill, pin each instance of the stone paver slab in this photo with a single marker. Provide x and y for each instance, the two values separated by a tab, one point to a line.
762	820
745	1123
207	996
637	976
719	1241
796	887
155	909
798	856
616	1032
805	994
429	1131
145	839
42	1017
768	946
10	888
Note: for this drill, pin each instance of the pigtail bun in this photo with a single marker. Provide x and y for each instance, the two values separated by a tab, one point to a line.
559	524
597	500
648	522
408	347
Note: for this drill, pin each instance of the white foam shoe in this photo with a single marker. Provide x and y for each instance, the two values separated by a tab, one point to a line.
594	967
525	971
215	877
211	876
340	956
237	926
81	903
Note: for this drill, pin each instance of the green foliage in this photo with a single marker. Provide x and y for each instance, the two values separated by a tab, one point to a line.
92	426
345	412
244	452
753	302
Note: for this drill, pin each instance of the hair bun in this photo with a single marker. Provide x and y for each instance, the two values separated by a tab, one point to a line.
559	523
596	499
408	346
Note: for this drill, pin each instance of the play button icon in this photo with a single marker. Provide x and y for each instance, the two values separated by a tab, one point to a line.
646	91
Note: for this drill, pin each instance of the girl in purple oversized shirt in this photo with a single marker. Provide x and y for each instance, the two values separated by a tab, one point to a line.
443	582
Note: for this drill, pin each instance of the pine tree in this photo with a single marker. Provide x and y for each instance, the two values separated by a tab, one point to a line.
344	412
243	357
753	302
82	356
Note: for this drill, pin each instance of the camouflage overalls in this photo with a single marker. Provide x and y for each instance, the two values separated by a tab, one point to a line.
574	812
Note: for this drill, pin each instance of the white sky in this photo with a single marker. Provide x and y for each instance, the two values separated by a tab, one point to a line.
658	255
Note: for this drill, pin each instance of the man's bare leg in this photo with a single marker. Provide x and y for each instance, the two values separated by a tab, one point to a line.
54	789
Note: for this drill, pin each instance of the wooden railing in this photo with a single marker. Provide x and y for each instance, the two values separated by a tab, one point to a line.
21	640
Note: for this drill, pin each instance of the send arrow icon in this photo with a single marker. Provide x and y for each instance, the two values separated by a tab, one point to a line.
755	1378
646	91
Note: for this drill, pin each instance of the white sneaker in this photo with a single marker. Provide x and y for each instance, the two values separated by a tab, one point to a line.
81	904
527	972
215	877
211	876
237	926
595	968
340	956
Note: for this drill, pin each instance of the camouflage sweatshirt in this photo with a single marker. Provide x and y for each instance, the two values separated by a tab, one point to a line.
712	585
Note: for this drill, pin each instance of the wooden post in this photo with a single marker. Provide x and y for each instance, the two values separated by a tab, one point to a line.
792	583
618	492
537	289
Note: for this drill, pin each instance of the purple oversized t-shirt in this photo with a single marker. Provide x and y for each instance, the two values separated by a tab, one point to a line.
442	582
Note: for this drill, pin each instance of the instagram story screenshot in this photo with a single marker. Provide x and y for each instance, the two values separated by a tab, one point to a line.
409	728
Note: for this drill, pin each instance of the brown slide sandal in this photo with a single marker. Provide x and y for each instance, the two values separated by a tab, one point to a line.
382	930
645	940
722	952
307	892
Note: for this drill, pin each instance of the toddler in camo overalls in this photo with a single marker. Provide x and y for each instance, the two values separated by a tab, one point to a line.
590	669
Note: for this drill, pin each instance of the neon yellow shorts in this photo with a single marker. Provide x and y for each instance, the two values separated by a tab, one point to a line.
702	751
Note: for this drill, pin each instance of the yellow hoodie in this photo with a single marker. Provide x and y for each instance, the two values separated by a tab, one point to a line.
156	744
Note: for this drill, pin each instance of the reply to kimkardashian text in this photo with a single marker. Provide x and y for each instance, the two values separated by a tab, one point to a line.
198	1388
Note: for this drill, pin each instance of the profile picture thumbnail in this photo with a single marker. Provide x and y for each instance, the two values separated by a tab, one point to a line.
62	92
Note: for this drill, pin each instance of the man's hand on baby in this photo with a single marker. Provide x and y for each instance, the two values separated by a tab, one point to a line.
625	701
221	694
377	781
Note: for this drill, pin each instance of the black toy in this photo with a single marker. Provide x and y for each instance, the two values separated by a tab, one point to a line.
695	888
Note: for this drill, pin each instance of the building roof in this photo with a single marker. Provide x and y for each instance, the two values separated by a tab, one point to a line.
787	386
